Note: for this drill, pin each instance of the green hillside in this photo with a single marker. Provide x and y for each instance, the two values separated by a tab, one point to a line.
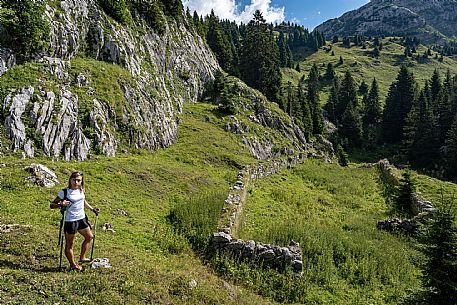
364	66
328	209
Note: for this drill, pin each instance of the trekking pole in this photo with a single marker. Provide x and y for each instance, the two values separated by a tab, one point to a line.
62	211
93	240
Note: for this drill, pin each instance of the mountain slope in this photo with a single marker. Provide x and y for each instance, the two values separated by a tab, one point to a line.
431	21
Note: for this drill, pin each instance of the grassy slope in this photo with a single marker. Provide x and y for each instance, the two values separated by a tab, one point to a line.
365	67
333	216
152	264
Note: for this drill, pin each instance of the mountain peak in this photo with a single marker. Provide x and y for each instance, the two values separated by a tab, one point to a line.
430	20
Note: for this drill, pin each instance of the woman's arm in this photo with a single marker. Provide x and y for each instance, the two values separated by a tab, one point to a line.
87	205
58	202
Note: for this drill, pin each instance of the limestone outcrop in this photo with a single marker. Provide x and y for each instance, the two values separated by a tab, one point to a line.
166	70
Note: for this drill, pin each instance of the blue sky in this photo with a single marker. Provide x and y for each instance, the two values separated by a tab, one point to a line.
309	13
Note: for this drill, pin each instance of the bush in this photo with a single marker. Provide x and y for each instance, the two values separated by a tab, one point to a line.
151	12
22	27
117	9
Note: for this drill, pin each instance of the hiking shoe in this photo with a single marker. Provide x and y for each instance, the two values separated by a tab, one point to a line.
76	268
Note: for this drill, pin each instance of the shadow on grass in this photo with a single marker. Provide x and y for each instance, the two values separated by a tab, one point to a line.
21	266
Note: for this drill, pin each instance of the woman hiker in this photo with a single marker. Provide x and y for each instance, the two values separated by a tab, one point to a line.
73	199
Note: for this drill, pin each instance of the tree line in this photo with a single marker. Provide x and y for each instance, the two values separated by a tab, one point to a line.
255	51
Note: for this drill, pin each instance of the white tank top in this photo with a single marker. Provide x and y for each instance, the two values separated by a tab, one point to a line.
75	211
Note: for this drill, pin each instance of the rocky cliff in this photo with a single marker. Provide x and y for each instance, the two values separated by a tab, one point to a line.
429	20
72	101
100	87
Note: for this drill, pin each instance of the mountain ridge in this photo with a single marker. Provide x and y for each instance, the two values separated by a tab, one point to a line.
431	21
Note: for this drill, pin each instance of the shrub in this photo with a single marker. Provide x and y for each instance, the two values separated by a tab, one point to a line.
22	27
117	9
151	12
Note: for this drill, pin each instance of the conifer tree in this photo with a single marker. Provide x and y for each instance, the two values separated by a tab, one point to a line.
218	42
373	111
445	111
421	133
403	198
347	95
450	157
259	61
332	102
440	268
313	100
329	72
398	104
351	126
283	54
306	115
372	116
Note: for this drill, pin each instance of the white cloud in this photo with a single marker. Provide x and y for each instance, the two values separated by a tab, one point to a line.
228	9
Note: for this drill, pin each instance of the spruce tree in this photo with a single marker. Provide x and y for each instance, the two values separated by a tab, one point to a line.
439	274
306	114
450	157
313	100
403	195
259	61
398	104
351	126
329	72
219	42
421	133
347	94
332	102
373	111
372	116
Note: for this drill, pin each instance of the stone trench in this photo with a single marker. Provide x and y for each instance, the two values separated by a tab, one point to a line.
226	240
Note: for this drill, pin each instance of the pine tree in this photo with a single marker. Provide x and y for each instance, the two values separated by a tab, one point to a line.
403	196
283	56
372	116
421	133
329	72
351	126
445	111
398	104
450	158
218	42
306	115
259	61
363	88
313	100
347	95
440	269
373	111
332	102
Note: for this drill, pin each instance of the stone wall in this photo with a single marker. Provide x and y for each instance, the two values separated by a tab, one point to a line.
226	241
422	209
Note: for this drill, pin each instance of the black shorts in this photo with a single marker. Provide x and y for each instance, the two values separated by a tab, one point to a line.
71	227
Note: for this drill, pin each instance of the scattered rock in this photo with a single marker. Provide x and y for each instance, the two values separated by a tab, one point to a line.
120	212
108	228
8	228
41	175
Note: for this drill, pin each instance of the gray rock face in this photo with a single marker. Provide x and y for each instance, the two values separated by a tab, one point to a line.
168	70
7	60
430	20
